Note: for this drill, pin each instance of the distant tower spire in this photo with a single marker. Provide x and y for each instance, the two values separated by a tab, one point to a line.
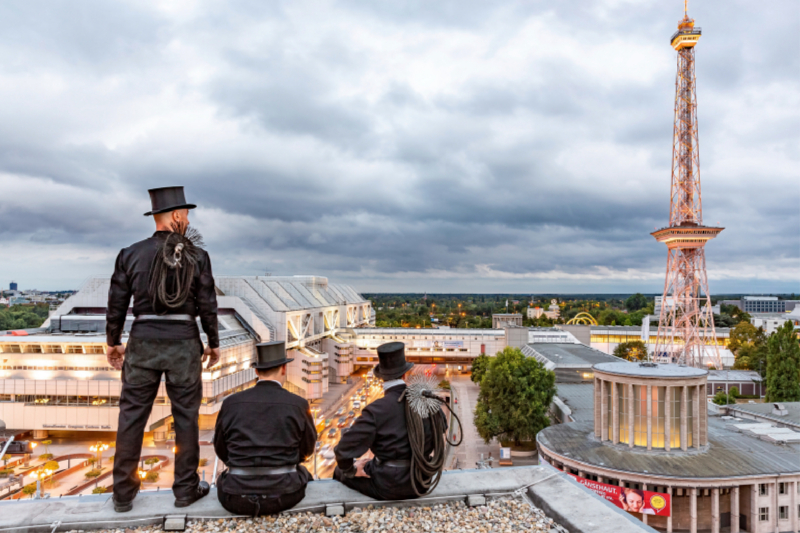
686	323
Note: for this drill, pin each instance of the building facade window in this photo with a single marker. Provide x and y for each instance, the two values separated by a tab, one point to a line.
782	488
622	399
763	514
689	418
675	419
763	489
658	394
783	512
640	415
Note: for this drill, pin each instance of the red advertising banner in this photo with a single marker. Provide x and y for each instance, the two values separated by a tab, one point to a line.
631	500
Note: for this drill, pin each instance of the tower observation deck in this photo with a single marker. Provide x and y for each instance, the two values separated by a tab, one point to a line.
686	323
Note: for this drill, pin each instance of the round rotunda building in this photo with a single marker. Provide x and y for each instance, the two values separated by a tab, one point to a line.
651	434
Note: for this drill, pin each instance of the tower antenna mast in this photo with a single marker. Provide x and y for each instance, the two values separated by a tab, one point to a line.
686	331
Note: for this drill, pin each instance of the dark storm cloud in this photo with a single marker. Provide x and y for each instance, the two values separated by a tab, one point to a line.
398	146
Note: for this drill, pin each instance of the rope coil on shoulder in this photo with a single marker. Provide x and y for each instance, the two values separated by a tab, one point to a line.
422	404
173	269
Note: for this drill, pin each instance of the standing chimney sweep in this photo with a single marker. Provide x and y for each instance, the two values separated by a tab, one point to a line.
169	277
394	473
262	435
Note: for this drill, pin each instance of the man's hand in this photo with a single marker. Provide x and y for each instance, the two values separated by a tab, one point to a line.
116	356
360	464
212	355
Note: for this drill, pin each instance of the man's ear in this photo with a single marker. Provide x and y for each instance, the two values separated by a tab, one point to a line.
283	370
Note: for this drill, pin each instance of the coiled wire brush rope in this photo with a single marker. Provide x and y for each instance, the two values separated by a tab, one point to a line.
172	270
423	403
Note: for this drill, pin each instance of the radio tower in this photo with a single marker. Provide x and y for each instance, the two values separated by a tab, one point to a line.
686	323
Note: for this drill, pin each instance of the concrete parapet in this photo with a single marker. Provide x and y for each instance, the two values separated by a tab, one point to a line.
565	501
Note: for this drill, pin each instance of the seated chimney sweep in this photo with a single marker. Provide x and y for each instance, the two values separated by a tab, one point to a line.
382	429
262	435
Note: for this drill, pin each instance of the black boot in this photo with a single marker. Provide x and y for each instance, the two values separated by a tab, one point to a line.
202	490
122	507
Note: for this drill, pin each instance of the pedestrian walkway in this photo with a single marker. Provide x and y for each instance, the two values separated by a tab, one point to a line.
469	453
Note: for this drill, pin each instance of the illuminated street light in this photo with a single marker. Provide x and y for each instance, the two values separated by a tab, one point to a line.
99	448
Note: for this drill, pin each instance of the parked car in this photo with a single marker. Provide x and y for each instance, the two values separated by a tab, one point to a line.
351	414
342	422
340	411
356	405
364	398
332	433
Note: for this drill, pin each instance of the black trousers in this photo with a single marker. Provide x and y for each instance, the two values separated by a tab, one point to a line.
256	504
145	362
361	484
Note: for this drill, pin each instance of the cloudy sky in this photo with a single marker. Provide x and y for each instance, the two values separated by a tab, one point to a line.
441	146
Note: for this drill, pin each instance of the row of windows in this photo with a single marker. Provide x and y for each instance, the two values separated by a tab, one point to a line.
783	488
78	368
639	415
53	348
783	513
619	339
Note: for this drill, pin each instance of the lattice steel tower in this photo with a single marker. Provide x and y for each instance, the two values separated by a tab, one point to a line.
686	323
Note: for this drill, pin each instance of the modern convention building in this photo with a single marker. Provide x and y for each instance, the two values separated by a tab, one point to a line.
56	378
644	436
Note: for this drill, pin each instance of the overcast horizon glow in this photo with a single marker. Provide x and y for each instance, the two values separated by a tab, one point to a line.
472	147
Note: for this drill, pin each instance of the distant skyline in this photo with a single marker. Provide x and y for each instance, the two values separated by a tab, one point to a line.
444	147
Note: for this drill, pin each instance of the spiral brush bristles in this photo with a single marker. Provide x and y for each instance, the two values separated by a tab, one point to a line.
419	403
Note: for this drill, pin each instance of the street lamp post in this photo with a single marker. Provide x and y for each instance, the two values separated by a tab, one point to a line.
99	448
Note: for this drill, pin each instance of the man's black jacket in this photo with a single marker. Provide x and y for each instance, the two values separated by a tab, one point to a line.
382	429
265	426
132	277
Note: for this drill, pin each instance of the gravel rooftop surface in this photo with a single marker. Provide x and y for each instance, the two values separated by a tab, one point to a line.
500	515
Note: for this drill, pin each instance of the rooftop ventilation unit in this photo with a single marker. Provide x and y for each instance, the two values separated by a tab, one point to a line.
778	409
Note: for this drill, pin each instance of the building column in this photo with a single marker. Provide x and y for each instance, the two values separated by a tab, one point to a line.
603	411
773	514
631	439
715	510
669	517
644	516
667	416
753	525
735	510
696	417
649	417
793	508
701	398
693	510
614	413
684	414
597	404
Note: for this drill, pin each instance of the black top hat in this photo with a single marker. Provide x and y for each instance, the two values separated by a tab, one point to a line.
270	355
392	361
165	199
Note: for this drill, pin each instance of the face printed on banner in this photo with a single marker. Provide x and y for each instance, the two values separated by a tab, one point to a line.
634	500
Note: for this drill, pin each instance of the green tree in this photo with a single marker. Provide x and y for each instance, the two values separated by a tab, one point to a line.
631	351
749	347
479	366
46	444
29	490
99	490
515	395
151	477
783	365
6	459
636	302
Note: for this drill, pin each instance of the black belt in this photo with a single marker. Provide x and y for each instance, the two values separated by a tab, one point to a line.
399	463
182	318
261	470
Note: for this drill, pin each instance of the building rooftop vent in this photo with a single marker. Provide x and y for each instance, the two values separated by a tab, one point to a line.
647	364
779	409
